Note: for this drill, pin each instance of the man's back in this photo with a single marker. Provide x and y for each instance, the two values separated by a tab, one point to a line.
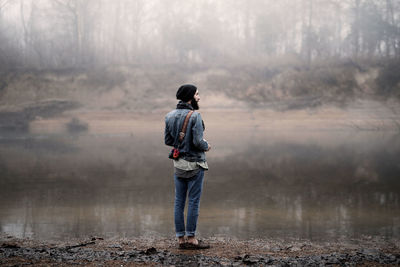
193	144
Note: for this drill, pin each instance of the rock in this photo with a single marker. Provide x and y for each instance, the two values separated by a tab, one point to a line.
132	254
75	125
17	118
332	260
295	248
369	251
276	249
9	245
151	251
114	246
247	259
316	258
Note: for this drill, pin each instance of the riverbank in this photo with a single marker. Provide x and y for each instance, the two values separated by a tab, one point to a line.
95	251
280	87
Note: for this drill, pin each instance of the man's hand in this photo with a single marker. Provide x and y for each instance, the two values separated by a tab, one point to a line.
209	147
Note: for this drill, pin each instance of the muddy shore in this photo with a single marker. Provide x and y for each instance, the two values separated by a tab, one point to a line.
96	251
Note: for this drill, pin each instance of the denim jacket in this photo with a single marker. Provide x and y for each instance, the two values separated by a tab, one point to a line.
193	145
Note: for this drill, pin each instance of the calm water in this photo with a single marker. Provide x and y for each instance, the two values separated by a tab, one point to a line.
262	182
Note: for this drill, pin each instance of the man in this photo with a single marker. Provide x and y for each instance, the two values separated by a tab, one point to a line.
190	166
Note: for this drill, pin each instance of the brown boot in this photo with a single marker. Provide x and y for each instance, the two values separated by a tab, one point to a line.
200	245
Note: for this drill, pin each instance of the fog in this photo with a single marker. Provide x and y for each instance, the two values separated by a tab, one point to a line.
300	99
76	33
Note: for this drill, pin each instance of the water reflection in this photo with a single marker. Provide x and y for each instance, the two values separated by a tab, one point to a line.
269	185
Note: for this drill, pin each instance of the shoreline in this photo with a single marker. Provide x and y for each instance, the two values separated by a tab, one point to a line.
94	251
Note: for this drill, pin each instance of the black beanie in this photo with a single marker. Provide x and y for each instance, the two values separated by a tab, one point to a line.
186	92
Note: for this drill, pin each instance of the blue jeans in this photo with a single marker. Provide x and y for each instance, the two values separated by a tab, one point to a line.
191	187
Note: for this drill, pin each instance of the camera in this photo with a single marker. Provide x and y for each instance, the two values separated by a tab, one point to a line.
174	154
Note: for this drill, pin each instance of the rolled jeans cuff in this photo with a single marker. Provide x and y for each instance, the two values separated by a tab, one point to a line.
190	234
180	234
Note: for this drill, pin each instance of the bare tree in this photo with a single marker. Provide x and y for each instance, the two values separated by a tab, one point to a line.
3	4
66	33
307	31
356	27
77	9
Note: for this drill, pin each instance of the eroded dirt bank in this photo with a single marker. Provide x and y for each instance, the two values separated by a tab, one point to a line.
96	251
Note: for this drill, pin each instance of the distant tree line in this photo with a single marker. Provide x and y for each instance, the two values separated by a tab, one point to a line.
85	33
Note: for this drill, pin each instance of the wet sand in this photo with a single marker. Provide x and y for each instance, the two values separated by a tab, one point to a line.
95	251
361	116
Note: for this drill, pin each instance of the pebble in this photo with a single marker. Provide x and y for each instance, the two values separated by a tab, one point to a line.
167	258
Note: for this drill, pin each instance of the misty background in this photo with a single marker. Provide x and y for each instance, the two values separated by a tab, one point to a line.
73	33
300	99
286	54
